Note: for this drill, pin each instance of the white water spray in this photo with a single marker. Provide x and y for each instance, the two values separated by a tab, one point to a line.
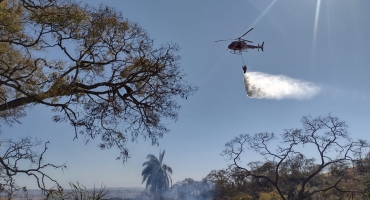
266	86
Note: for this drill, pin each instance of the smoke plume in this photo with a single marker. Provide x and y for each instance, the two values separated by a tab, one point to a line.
266	86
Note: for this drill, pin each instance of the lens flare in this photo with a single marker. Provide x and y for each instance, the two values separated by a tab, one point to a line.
215	66
263	13
316	20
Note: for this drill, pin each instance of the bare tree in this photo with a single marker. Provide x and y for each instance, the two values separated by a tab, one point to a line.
19	157
100	72
287	169
79	192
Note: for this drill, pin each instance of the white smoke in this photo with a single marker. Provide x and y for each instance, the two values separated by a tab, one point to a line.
266	86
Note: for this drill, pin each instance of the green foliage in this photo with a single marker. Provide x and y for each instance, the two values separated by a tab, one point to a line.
10	17
269	196
367	185
108	80
95	69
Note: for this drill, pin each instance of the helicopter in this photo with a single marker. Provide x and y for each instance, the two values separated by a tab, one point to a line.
241	45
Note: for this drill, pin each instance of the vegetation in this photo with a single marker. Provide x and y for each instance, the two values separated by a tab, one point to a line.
191	189
340	169
78	192
157	175
98	71
13	157
107	80
234	184
288	171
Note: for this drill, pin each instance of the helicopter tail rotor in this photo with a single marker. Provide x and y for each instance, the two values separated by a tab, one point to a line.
262	46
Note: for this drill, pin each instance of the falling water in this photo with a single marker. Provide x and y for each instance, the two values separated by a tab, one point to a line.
266	86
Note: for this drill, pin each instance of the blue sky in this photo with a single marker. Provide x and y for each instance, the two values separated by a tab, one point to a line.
324	42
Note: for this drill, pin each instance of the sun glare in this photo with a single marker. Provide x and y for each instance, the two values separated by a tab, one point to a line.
263	13
316	21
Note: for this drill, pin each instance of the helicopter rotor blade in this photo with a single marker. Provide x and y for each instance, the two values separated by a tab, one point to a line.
246	33
224	40
248	41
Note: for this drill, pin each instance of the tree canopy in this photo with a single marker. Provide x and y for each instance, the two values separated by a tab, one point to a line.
97	70
191	189
292	172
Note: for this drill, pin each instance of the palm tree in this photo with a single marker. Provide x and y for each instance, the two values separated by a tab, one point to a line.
157	175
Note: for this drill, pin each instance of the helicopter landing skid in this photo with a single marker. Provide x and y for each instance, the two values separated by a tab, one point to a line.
238	52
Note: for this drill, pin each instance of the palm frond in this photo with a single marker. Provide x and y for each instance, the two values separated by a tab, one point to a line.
156	174
167	168
161	155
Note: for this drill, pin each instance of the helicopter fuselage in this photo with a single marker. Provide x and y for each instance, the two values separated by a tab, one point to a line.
237	45
242	46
